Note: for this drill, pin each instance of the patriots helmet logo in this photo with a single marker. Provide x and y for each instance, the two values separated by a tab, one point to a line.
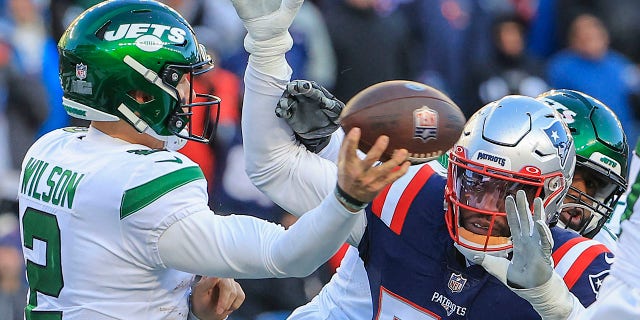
557	134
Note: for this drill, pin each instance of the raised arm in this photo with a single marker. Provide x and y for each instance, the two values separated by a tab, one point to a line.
275	161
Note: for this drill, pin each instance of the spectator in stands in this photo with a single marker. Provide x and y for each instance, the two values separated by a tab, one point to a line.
589	65
13	287
36	56
510	70
371	45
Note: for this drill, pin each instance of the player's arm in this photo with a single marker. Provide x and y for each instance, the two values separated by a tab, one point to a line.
275	162
247	247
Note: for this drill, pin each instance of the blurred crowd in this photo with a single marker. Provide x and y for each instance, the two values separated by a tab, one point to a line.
474	50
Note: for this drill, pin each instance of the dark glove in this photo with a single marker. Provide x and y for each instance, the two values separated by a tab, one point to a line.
311	111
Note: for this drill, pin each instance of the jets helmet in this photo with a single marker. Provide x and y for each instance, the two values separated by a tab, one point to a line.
515	143
601	151
116	49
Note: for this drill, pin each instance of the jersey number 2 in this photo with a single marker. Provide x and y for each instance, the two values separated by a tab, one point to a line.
42	236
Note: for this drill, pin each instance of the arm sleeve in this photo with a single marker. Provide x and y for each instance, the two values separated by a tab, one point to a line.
246	247
274	161
616	300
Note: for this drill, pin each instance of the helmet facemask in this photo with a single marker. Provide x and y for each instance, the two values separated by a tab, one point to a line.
586	211
191	117
515	143
476	196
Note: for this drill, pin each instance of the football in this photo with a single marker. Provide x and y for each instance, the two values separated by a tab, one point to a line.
413	115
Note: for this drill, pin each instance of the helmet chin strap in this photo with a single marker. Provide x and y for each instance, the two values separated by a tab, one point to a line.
470	252
174	143
171	143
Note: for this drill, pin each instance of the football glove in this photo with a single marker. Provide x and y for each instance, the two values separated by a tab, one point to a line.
311	111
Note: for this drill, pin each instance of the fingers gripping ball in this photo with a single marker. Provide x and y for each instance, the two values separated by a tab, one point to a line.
311	111
415	116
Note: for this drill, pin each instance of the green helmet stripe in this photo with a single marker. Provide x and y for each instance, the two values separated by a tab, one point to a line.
143	195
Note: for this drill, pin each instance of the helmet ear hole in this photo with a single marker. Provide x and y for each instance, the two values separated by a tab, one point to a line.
171	76
176	123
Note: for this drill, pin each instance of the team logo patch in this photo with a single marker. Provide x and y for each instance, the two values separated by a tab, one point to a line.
425	123
558	137
456	282
81	71
595	280
149	43
605	161
484	157
79	85
147	37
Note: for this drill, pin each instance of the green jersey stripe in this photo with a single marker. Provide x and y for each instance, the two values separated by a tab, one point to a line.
143	195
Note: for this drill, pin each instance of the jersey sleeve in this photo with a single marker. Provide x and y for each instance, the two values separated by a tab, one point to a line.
275	162
246	247
583	264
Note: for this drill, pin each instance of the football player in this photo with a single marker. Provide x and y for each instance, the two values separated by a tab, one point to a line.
598	184
411	244
601	167
619	295
115	222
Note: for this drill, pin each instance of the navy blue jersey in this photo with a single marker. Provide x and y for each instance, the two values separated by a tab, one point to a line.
416	273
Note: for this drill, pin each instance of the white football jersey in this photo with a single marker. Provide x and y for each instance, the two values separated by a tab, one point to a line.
345	297
106	225
107	259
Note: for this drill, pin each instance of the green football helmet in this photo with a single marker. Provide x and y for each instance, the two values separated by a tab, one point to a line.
602	153
121	47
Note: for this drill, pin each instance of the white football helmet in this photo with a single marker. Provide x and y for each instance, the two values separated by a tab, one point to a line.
513	143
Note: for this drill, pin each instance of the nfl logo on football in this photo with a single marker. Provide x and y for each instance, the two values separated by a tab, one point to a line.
456	282
81	71
425	122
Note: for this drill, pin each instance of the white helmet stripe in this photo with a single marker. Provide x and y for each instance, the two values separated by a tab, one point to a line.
150	75
83	111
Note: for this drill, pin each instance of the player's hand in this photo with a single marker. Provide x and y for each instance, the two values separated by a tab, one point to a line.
311	111
215	298
531	264
359	178
267	21
530	273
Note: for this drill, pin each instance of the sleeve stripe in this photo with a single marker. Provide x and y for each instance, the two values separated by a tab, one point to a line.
564	248
400	195
582	263
574	256
143	195
379	200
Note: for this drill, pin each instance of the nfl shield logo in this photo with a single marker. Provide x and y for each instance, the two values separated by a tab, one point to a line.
425	123
81	71
456	282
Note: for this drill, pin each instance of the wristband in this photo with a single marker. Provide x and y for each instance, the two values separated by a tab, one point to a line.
348	201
